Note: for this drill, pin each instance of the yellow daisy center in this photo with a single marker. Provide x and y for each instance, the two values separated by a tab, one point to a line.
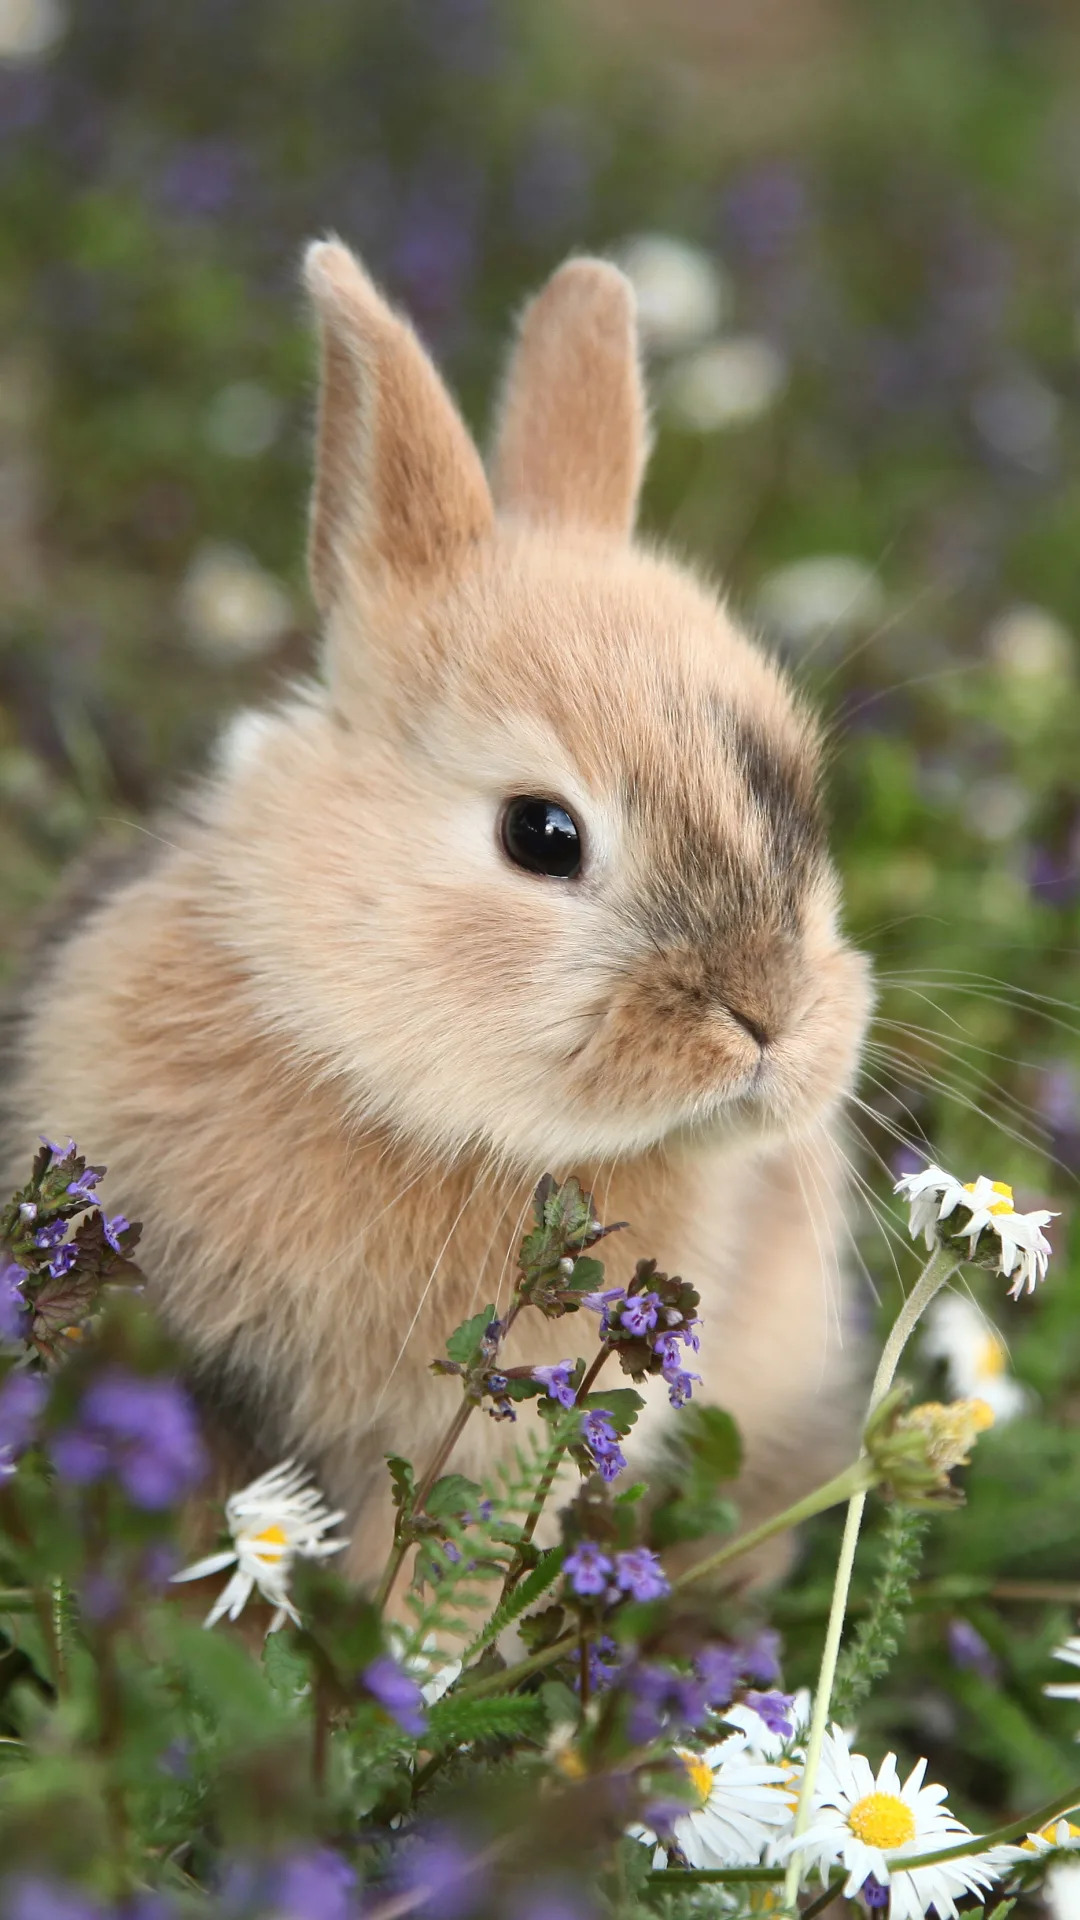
990	1358
882	1820
699	1772
1049	1834
274	1537
1002	1205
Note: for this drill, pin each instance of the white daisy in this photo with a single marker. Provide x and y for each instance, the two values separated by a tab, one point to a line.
1066	1689
1058	1834
1024	1250
975	1356
867	1824
741	1804
433	1674
281	1516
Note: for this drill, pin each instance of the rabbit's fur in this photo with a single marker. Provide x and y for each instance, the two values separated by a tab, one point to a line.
328	1043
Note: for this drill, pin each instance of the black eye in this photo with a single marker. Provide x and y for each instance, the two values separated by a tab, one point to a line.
540	836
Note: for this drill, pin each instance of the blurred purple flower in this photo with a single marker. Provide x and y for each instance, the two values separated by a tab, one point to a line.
22	1399
874	1893
314	1883
588	1569
603	1663
969	1651
444	1877
638	1572
761	1657
83	1187
434	251
465	36
13	1304
550	1901
396	1693
602	1441
101	1596
776	1709
199	181
662	1698
113	1229
1058	1098
1053	877
140	1429
28	1897
720	1669
51	1234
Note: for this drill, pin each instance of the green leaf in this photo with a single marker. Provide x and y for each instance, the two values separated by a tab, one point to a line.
622	1403
403	1482
452	1722
451	1496
542	1629
286	1669
465	1341
713	1441
588	1275
522	1596
690	1519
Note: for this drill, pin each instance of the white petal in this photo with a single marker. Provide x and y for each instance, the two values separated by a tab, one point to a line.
213	1563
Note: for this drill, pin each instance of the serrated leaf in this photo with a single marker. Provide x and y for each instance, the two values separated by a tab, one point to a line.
451	1496
453	1722
286	1668
588	1275
541	1629
527	1590
465	1341
622	1403
402	1480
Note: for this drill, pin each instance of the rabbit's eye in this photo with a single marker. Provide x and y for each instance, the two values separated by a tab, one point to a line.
540	836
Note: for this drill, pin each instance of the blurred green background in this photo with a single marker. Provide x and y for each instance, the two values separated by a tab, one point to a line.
855	230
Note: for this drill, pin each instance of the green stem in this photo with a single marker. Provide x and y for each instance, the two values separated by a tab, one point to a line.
547	1481
858	1476
943	1262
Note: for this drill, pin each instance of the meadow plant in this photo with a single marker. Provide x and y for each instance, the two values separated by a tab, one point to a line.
543	1717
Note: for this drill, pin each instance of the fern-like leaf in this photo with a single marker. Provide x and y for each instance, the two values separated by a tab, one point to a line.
522	1596
452	1723
879	1635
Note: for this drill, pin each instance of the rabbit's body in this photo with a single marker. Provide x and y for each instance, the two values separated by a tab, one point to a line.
328	1043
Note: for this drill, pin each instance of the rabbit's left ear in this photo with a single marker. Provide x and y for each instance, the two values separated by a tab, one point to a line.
400	492
572	436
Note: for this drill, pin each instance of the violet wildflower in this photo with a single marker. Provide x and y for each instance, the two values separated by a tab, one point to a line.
602	1441
719	1669
445	1879
639	1573
776	1710
83	1187
396	1693
602	1304
588	1569
31	1897
639	1312
58	1152
113	1229
662	1698
761	1657
13	1304
969	1650
22	1398
142	1430
557	1381
680	1386
314	1883
874	1893
51	1234
603	1655
63	1259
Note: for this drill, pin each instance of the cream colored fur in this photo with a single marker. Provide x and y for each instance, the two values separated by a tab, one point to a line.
328	1044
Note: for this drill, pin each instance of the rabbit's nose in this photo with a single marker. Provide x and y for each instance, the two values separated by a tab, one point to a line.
749	1025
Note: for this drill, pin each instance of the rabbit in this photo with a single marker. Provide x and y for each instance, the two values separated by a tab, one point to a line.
533	878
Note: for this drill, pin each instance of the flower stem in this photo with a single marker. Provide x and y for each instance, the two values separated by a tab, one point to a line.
942	1263
547	1481
856	1477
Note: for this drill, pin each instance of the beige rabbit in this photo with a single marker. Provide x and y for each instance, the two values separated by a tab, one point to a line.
533	879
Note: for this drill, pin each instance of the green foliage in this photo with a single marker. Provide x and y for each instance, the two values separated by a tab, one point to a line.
465	1342
702	1454
878	1635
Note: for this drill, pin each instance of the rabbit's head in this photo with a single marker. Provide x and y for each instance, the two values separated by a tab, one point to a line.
540	870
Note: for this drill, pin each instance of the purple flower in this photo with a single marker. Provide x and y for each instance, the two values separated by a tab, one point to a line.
113	1229
720	1669
396	1693
63	1259
557	1381
874	1893
969	1650
497	1383
776	1709
761	1657
602	1441
13	1304
550	1901
639	1573
51	1234
31	1898
141	1429
663	1698
83	1187
588	1569
680	1385
602	1303
58	1152
603	1664
446	1880
316	1884
22	1397
639	1313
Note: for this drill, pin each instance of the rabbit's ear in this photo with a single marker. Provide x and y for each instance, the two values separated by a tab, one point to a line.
400	489
572	436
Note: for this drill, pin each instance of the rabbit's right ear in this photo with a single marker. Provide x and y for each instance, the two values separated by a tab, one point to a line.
400	493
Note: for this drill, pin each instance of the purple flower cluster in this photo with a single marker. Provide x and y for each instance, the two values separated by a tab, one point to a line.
970	1651
662	1698
141	1430
776	1711
444	1878
602	1442
636	1572
314	1883
396	1693
22	1399
13	1303
662	1328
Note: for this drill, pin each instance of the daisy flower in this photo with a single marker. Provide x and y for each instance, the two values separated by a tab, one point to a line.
738	1810
1023	1249
1057	1834
1066	1689
866	1823
279	1517
974	1353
